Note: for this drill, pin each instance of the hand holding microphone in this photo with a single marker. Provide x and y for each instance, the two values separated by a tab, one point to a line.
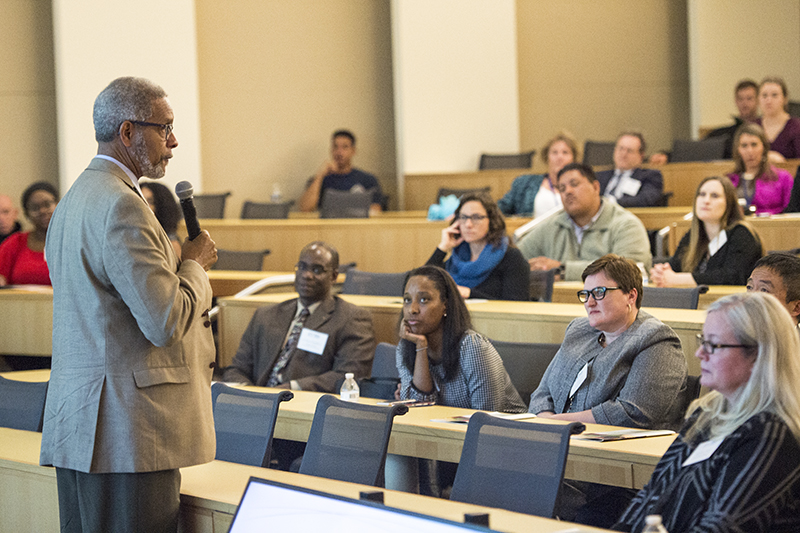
198	246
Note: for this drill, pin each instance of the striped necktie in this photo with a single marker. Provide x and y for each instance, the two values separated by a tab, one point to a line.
276	377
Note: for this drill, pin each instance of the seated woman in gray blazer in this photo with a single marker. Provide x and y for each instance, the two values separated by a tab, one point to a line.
620	365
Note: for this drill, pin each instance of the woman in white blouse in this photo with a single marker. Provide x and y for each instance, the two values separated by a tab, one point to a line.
719	249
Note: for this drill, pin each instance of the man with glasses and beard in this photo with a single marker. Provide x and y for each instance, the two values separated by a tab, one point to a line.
129	400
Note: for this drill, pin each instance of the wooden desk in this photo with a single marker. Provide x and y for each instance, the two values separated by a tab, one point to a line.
625	464
499	320
565	292
27	324
210	494
777	232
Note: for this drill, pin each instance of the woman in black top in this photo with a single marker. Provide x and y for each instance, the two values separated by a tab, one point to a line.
483	263
719	249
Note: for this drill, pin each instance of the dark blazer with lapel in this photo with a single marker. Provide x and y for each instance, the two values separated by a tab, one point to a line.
130	386
350	346
649	193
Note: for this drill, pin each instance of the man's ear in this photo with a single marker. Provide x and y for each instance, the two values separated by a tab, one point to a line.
126	133
794	308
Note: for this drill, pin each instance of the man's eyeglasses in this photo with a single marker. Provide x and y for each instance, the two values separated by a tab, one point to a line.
709	347
166	128
472	218
598	293
35	208
317	270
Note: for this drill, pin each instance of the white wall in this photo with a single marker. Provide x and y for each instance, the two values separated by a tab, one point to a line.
455	81
734	39
97	41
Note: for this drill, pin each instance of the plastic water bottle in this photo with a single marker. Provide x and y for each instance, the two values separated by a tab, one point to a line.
349	391
643	270
653	524
276	194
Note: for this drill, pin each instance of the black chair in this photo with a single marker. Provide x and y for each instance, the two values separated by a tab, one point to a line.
210	205
541	285
794	109
244	422
673	297
233	260
526	363
598	153
693	388
373	283
265	210
22	404
345	204
491	161
385	377
704	150
512	464
663	201
348	441
458	193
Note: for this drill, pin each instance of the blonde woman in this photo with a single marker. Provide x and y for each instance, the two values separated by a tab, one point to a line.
736	464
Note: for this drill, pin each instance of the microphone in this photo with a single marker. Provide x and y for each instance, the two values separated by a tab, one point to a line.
185	194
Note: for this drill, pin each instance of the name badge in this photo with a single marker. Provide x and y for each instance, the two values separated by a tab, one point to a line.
702	452
630	186
579	380
312	341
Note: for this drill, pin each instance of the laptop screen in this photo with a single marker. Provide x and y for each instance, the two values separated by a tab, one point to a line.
272	506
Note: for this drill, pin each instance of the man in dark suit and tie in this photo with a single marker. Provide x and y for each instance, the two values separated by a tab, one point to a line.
631	185
129	401
310	342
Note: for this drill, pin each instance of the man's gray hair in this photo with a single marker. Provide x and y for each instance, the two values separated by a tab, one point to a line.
124	99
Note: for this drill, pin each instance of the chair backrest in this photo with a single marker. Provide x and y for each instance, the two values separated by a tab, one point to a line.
385	377
673	297
348	441
704	150
540	285
458	193
523	160
234	260
512	464
244	422
345	204
793	108
22	404
526	363
210	205
265	210
373	283
598	153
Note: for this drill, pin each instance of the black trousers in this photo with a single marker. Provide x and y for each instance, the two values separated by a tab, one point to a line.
142	502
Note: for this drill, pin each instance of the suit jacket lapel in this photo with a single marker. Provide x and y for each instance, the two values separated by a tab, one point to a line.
322	314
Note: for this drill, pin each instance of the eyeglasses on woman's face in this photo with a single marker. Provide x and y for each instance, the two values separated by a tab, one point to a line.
598	293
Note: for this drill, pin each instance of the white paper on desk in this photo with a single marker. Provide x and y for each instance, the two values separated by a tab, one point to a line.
312	341
702	452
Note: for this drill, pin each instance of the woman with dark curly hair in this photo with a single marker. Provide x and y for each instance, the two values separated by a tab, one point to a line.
22	254
483	262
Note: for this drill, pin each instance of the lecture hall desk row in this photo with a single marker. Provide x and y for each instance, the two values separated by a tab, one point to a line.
498	320
210	494
679	178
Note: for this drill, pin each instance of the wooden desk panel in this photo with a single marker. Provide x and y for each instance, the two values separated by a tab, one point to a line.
777	232
499	320
421	189
27	324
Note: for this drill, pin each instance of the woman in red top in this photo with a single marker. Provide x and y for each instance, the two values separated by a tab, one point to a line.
22	254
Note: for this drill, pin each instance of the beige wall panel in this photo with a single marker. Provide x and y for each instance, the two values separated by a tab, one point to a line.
277	78
735	39
596	68
27	96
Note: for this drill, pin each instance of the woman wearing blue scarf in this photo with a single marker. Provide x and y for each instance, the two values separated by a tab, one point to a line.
483	263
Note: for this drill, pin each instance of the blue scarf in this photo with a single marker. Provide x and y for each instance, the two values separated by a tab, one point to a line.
472	273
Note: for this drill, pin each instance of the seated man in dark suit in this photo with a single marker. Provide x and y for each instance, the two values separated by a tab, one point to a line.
631	185
310	342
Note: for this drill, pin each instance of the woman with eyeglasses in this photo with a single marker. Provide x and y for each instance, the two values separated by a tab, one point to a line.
483	262
736	464
619	365
22	254
720	248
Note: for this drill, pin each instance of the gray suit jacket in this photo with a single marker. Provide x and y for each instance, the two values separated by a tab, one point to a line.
131	369
350	346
